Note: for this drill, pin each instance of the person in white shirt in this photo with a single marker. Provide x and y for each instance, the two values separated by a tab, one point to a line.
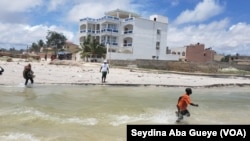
104	70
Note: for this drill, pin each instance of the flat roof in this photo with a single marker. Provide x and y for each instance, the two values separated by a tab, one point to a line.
122	13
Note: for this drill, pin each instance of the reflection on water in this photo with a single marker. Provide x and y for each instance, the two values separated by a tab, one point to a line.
58	113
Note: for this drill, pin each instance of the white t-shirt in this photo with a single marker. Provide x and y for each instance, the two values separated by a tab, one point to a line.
104	67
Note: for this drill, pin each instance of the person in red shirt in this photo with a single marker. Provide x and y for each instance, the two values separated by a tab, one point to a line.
183	103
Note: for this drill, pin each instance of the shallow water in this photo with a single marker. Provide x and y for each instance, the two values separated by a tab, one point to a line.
93	113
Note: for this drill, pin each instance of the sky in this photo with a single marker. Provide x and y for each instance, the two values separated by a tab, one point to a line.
223	25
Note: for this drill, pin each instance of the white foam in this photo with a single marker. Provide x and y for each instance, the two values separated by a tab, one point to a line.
63	120
150	116
17	137
20	85
124	119
163	116
87	121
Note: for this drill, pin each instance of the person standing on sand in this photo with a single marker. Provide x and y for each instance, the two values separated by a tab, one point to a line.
183	103
28	74
104	70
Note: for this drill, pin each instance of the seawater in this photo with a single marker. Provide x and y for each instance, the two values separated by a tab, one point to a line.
101	112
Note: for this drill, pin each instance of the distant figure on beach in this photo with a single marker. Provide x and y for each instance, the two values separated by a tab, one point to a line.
28	74
1	70
104	70
183	103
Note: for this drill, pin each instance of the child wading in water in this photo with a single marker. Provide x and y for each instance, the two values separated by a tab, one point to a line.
183	103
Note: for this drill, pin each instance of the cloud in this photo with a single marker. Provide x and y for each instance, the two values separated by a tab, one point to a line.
16	10
223	36
14	6
96	9
220	35
175	2
25	34
53	5
202	12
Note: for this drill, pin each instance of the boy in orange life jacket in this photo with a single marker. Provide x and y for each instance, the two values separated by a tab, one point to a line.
182	104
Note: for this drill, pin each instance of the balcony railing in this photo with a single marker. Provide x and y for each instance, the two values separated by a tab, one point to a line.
83	31
127	44
109	30
108	18
128	32
128	19
88	19
110	43
98	31
89	31
100	19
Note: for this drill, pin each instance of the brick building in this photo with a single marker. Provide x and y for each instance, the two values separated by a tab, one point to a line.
194	53
198	53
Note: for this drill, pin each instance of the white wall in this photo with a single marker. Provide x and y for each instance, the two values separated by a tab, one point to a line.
145	38
120	56
159	18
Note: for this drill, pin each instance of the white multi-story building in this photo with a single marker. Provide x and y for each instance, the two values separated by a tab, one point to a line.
127	36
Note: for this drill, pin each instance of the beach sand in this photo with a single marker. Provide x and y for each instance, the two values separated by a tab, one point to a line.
84	73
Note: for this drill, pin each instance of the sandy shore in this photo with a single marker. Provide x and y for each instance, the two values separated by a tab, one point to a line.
89	74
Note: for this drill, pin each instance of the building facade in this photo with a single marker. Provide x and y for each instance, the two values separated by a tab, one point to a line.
194	53
127	36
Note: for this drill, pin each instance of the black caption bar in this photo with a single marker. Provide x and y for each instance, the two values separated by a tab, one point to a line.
194	132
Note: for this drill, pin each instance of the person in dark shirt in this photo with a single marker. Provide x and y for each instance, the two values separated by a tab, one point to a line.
28	74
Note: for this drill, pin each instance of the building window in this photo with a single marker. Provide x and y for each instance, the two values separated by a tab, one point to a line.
158	45
158	32
183	53
168	51
125	43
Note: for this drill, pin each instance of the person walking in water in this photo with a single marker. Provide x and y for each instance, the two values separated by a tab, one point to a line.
1	70
28	74
104	70
183	103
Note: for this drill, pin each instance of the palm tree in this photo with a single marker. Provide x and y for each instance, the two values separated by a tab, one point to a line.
92	48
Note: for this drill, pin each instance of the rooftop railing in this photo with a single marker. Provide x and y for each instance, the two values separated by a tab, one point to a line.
129	19
100	19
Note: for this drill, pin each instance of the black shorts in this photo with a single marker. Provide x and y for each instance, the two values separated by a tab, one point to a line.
185	112
104	74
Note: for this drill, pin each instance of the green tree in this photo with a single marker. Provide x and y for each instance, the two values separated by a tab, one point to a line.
40	43
34	47
226	58
92	48
56	40
37	46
